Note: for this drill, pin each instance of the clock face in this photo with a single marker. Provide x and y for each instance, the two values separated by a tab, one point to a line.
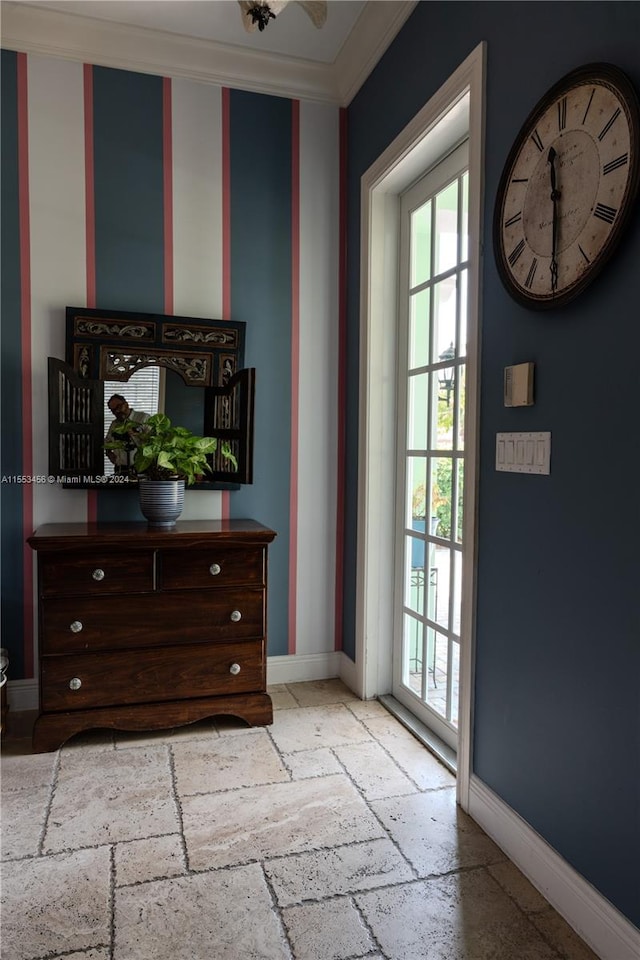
568	186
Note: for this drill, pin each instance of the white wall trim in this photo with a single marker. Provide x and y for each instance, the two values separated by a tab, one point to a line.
376	27
609	934
22	695
419	145
54	33
300	667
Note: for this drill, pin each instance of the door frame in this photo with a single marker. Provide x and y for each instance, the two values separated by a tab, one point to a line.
455	111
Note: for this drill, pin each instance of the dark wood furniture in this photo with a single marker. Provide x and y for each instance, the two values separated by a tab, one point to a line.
144	629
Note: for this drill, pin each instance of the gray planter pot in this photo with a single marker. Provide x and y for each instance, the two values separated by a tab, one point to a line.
161	501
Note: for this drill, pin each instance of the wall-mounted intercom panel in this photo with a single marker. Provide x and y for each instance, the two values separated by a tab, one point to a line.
518	385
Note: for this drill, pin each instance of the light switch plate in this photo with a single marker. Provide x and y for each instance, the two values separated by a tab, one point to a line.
523	452
518	385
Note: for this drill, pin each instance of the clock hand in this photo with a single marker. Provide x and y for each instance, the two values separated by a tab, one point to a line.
555	196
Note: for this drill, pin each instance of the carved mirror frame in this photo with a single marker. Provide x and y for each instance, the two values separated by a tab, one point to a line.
111	345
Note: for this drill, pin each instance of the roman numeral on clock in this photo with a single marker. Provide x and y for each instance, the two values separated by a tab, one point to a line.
535	136
612	119
514	219
562	114
516	253
620	161
588	106
608	214
532	272
583	254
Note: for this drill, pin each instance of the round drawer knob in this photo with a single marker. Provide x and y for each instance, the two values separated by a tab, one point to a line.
215	569
75	684
234	669
235	616
98	574
75	627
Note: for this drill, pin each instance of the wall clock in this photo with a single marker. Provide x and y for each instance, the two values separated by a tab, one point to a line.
568	187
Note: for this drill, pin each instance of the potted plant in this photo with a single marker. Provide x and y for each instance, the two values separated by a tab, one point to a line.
166	457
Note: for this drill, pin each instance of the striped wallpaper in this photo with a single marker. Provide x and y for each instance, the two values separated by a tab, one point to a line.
127	191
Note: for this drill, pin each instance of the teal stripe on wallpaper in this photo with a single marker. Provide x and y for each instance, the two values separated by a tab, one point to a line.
128	168
10	383
260	202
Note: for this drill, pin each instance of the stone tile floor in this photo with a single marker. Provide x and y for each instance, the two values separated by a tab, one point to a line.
332	834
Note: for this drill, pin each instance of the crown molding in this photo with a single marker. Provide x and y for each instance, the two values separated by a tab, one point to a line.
375	29
89	40
52	33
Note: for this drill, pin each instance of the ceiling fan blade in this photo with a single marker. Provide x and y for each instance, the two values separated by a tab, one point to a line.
316	9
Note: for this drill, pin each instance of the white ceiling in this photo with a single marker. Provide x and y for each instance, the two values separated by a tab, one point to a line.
205	40
292	33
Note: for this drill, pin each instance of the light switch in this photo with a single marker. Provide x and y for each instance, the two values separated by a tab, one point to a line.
523	452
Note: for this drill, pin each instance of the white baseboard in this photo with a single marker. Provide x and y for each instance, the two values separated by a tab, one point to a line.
303	666
609	934
350	675
22	695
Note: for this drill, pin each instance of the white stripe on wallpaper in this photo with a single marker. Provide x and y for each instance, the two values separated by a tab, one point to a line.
318	392
197	223
58	264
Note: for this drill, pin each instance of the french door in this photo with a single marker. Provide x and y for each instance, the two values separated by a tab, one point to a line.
434	270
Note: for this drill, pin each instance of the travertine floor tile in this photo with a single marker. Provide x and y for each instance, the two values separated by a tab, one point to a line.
558	932
311	763
327	931
281	697
98	740
200	730
23	816
274	820
518	887
226	763
367	708
416	761
462	917
315	693
311	727
56	904
226	915
434	834
326	873
138	861
25	773
105	797
373	770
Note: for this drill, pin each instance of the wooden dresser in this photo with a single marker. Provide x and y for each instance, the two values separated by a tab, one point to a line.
143	629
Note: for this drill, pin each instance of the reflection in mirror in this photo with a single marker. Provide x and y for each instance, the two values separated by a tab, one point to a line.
142	395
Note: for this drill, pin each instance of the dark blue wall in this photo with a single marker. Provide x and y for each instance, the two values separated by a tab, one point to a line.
557	698
12	617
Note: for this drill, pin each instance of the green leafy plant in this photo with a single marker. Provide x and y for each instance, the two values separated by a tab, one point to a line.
165	452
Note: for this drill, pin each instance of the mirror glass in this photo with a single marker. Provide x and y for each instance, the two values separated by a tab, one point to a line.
149	390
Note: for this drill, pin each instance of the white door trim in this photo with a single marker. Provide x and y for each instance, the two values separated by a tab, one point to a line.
440	124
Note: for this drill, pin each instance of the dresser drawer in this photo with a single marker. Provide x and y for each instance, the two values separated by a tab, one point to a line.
88	624
217	566
96	574
142	676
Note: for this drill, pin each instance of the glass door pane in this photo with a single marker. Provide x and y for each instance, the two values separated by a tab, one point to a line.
431	467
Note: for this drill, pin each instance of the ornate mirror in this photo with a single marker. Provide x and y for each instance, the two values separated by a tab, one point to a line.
189	368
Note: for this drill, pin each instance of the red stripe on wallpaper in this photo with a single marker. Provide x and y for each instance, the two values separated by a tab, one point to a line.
90	228
295	370
225	497
25	328
342	381
167	184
